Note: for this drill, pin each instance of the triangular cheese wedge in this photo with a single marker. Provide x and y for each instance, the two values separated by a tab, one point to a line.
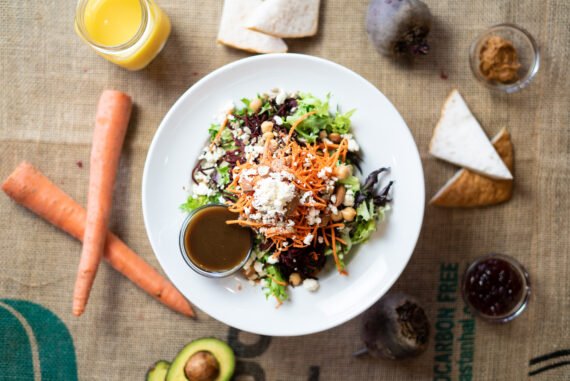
468	189
233	33
459	139
286	18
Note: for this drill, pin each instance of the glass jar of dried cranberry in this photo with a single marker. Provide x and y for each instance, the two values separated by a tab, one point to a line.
496	288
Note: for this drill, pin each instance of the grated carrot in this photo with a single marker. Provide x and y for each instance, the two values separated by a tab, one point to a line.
306	163
335	255
219	134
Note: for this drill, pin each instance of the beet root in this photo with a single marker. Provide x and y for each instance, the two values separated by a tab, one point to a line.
395	327
399	28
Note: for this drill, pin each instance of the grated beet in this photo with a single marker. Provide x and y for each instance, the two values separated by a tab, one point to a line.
307	261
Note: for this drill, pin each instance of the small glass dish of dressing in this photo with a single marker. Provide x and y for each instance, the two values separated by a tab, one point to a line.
525	48
211	247
496	288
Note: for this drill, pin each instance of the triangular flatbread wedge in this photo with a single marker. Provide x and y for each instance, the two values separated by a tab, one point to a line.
468	189
459	139
286	18
233	33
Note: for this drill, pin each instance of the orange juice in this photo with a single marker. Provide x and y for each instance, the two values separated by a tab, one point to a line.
129	33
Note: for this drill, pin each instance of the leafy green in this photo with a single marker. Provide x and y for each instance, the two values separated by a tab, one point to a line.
363	230
265	107
322	119
196	202
272	287
351	183
224	174
341	123
226	137
213	131
367	218
365	211
309	128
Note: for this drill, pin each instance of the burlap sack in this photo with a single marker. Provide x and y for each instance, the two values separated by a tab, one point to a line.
49	84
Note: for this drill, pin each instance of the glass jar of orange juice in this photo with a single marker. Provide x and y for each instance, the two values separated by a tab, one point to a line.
129	33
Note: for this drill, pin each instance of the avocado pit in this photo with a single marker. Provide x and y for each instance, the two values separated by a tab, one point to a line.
202	366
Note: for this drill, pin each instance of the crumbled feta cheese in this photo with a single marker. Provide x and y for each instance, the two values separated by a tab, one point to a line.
307	198
202	189
258	267
311	284
272	259
313	217
278	120
333	198
254	151
211	156
333	209
245	138
352	144
349	198
308	239
272	195
323	172
280	98
320	239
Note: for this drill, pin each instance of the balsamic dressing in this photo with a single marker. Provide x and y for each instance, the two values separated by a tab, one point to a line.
213	245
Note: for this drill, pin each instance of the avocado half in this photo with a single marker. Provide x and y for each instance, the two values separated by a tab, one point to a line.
220	350
158	371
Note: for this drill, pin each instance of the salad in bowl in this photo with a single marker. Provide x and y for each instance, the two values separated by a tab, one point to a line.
287	166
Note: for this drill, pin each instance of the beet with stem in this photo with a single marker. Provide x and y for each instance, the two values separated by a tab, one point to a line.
395	327
399	28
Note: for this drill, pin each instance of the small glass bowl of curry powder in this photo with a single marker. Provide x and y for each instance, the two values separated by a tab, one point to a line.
505	57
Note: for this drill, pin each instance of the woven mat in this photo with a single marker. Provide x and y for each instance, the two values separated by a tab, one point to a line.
50	82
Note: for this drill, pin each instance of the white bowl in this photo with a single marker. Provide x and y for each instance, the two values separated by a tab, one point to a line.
385	140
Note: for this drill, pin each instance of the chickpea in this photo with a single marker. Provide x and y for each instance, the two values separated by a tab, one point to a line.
273	145
340	193
266	126
348	213
343	171
250	273
255	105
337	217
334	137
268	135
295	279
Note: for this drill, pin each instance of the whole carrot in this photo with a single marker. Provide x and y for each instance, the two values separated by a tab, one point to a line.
31	189
112	119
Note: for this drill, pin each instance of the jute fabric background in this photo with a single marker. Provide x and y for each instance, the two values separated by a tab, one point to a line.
49	84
